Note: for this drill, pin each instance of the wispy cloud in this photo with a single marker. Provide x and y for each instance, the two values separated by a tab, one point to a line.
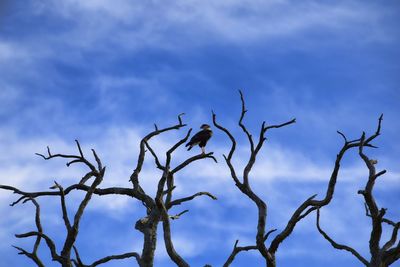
234	21
104	71
103	26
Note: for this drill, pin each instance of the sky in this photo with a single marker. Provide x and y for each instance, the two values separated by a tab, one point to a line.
104	72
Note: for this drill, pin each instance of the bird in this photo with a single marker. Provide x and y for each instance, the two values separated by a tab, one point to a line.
201	138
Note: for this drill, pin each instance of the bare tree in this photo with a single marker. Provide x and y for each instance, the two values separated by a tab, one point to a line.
268	252
388	253
157	207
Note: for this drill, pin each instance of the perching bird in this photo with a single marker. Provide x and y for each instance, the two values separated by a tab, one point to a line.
200	138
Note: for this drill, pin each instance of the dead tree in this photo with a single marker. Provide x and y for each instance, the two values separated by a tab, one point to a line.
389	252
157	207
268	252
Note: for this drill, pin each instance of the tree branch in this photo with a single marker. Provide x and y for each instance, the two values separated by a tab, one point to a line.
33	255
49	242
245	187
63	205
192	159
179	201
177	216
236	250
117	257
339	246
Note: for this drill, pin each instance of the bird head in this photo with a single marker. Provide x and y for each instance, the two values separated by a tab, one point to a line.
205	126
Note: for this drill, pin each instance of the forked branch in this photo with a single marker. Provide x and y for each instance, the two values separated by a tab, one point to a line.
387	254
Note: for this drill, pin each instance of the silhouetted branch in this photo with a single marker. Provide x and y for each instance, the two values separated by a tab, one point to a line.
311	204
64	258
192	159
244	186
167	235
177	216
78	262
268	233
116	257
98	191
134	178
157	208
33	255
49	242
236	250
231	151
63	205
387	221
156	159
392	239
244	110
339	246
185	199
380	256
76	159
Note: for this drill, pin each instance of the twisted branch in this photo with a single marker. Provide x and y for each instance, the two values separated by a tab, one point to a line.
340	246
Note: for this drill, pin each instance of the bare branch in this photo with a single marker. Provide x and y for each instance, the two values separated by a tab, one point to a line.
177	216
249	136
174	147
232	150
391	255
392	239
169	190
245	187
310	204
157	161
75	158
33	255
98	191
185	199
167	236
268	234
134	178
180	118
387	221
344	137
279	125
294	219
48	240
117	257
99	164
376	215
72	232
78	262
339	246
192	159
79	148
236	250
63	206
86	177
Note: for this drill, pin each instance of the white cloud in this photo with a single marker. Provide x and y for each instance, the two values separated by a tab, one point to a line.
9	52
97	24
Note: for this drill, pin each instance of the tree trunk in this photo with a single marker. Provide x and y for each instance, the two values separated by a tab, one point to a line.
67	263
148	226
271	262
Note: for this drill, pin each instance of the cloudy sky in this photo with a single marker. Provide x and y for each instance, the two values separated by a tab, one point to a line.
105	71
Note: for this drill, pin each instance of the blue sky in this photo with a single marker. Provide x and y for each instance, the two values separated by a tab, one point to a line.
103	72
